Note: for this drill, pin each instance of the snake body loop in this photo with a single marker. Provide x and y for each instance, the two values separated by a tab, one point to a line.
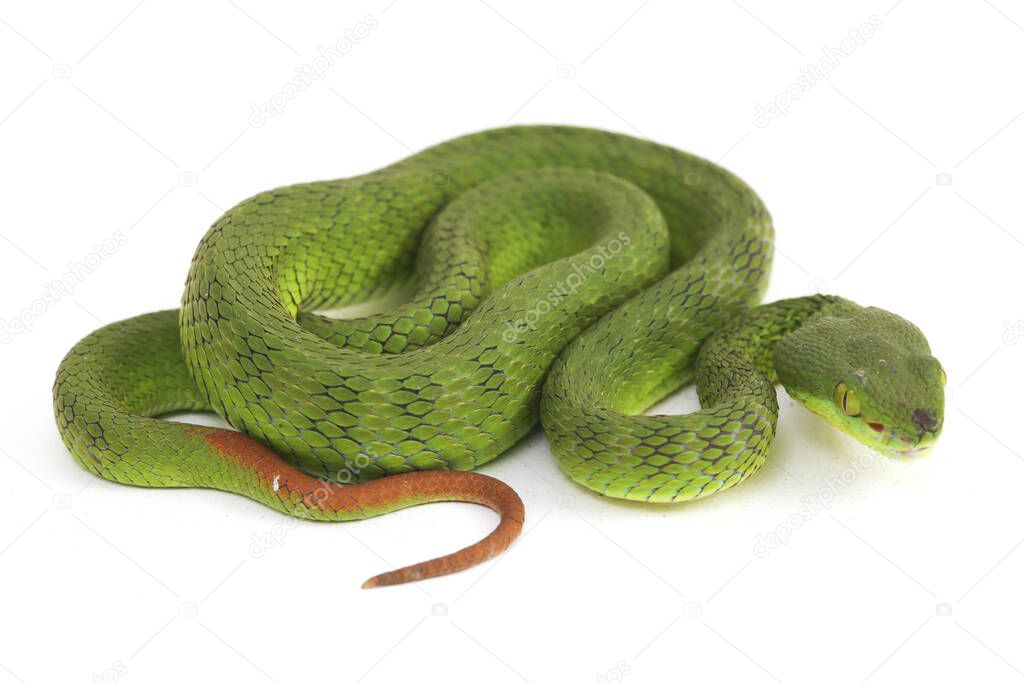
595	261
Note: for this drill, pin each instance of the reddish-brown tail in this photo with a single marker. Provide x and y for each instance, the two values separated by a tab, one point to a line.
455	486
286	487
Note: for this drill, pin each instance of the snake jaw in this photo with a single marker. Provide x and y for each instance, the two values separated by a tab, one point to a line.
891	443
877	436
908	447
915	448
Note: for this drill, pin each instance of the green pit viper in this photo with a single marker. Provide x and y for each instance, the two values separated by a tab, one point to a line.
565	275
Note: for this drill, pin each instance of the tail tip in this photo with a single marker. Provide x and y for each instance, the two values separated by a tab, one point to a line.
396	576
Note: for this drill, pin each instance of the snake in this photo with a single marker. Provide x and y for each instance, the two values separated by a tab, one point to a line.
565	276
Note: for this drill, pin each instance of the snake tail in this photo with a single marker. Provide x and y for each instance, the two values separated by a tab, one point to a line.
115	382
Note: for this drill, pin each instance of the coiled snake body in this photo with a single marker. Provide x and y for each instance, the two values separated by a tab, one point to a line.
561	274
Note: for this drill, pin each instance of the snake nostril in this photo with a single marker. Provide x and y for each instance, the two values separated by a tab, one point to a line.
925	420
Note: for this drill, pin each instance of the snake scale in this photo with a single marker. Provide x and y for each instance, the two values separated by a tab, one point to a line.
563	275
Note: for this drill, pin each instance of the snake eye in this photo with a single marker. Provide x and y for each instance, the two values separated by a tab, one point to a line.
943	372
846	400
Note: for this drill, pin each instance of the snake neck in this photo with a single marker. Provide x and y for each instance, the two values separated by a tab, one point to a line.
740	356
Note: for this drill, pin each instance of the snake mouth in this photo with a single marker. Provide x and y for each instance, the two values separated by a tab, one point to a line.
911	448
892	443
914	451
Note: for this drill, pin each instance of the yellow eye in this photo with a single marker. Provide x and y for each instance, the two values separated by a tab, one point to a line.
943	371
846	400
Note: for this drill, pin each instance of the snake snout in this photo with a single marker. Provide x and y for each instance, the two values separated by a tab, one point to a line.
925	420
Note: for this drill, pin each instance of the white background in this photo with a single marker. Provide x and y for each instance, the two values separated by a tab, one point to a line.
134	120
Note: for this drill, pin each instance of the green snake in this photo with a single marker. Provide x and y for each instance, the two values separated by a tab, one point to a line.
563	275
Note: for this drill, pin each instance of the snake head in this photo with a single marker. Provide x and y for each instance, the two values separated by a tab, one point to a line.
870	373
